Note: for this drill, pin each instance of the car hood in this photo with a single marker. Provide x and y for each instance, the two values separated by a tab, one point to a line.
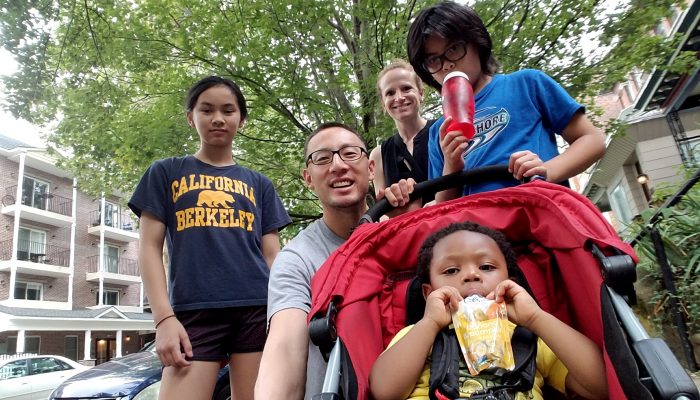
120	377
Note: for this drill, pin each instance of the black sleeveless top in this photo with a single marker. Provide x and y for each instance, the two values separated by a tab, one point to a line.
398	162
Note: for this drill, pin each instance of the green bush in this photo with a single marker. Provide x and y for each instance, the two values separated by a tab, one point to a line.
680	231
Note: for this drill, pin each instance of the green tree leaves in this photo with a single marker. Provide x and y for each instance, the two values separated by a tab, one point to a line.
113	74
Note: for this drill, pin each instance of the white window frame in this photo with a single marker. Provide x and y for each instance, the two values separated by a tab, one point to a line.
694	148
109	258
112	214
39	247
114	292
620	204
12	344
35	286
35	182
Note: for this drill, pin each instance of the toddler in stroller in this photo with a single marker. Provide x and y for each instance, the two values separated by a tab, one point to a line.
562	243
466	259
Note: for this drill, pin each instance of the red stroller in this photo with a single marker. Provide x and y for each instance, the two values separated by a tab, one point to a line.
563	244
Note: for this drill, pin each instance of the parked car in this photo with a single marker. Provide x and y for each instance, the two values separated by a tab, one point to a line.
32	376
132	377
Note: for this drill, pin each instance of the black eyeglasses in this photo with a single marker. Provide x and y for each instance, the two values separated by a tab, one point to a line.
453	53
346	153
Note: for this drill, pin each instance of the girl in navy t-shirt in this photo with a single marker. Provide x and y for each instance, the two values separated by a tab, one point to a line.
220	221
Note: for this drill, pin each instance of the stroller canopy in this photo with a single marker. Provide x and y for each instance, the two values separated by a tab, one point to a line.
550	227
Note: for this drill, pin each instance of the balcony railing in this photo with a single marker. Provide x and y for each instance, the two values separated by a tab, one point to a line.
49	201
115	265
36	252
118	220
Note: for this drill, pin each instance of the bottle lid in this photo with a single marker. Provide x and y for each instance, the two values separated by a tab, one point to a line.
456	73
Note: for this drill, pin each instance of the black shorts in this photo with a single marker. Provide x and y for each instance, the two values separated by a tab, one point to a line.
216	333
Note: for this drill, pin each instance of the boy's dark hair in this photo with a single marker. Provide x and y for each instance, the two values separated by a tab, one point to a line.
425	254
327	125
209	82
452	22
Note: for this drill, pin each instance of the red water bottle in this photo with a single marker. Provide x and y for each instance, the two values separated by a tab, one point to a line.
458	103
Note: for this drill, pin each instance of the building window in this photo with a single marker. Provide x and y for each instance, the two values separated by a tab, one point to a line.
31	245
70	347
693	151
112	215
620	205
110	297
34	193
29	291
32	344
111	261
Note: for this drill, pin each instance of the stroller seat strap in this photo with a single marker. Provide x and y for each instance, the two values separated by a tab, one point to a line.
446	356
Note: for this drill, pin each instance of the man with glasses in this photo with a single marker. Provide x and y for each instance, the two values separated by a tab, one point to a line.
517	115
338	170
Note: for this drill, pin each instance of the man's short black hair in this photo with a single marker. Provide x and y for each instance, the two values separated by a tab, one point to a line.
327	125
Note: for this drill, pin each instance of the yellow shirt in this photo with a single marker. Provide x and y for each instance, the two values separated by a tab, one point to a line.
549	368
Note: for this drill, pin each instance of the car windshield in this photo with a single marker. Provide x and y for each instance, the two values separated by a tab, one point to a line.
150	346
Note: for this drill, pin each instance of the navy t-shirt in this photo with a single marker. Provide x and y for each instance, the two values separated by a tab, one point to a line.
215	218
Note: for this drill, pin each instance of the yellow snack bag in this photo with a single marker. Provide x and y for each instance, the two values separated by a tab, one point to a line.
482	331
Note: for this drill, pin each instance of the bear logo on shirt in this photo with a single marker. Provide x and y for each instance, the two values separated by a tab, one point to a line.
213	198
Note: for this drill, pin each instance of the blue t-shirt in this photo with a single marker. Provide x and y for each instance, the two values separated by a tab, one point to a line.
215	218
513	112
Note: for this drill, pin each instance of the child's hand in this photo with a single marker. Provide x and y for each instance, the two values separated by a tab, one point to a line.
452	144
398	194
525	164
440	304
522	308
171	339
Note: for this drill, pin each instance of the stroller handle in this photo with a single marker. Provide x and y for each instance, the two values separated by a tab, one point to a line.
472	176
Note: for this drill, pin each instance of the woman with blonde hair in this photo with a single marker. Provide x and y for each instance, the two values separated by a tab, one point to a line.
405	154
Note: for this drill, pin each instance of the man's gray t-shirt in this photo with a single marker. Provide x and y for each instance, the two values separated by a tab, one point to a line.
290	285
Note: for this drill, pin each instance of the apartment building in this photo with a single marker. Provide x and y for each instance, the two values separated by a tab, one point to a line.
69	278
661	112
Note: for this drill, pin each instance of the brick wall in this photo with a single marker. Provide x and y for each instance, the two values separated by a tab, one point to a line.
85	245
611	103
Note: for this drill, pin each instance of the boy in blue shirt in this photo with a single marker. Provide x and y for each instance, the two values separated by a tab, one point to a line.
517	115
